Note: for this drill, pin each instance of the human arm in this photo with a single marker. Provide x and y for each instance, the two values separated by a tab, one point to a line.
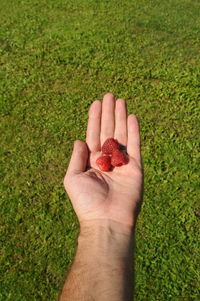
106	205
103	267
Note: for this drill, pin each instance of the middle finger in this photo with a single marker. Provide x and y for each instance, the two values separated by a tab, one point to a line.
108	117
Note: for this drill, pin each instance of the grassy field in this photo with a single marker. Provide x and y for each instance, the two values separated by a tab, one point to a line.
58	56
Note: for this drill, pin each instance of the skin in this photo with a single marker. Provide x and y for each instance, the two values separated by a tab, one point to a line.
106	204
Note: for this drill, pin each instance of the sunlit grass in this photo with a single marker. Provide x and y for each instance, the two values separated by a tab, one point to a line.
56	58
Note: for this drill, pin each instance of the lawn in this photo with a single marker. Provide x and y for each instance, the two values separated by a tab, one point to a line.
58	56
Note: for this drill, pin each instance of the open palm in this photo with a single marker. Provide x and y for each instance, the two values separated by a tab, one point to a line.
111	195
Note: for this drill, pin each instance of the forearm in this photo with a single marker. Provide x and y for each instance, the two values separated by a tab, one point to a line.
103	266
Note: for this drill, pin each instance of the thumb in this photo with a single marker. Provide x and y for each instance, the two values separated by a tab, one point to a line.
79	158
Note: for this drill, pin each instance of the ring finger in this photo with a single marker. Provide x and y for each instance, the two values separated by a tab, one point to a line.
121	122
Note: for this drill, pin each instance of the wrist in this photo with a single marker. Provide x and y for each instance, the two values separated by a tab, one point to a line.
93	226
107	238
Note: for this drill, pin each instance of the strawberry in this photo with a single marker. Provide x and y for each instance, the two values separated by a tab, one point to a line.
118	158
104	163
109	145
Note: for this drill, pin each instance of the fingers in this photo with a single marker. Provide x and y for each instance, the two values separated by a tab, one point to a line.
133	145
79	158
121	122
107	118
94	127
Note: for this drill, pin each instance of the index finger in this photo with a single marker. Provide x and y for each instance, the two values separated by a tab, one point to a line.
94	126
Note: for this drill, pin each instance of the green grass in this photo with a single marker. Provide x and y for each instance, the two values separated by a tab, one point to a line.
56	58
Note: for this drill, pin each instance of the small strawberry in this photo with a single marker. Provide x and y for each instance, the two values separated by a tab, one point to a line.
104	163
118	158
109	145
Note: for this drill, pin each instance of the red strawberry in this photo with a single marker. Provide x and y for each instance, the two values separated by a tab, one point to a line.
109	145
118	158
104	163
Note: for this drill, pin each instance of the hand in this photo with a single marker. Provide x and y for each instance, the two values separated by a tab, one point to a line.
114	195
